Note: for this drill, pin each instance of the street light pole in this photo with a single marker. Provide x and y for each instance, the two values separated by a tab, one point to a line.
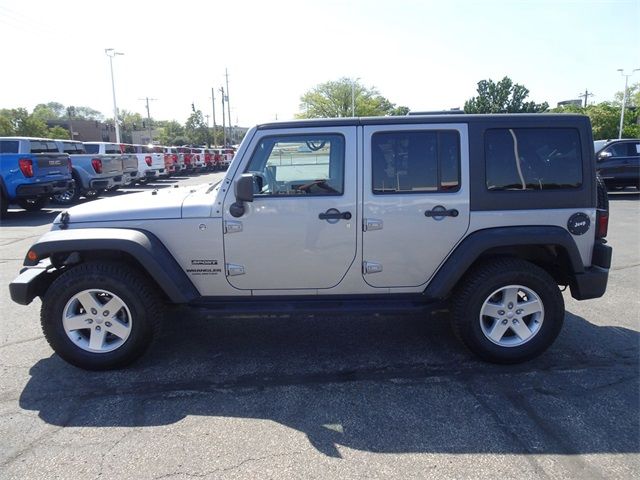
624	97
353	97
110	52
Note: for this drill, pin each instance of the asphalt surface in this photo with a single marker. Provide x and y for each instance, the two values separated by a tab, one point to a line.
317	397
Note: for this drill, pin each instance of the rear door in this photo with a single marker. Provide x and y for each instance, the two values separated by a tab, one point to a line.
300	230
416	200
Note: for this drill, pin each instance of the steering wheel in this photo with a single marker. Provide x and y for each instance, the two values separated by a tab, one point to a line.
321	184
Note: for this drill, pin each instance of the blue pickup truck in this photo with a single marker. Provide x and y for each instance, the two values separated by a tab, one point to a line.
31	170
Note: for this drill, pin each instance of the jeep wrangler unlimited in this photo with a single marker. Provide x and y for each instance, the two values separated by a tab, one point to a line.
490	213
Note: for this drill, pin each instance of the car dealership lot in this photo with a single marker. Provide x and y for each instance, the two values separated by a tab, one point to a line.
326	397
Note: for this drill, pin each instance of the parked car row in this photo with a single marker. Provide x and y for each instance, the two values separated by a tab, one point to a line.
36	170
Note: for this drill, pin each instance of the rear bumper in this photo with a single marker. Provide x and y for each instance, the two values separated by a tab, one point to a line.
40	189
592	283
103	183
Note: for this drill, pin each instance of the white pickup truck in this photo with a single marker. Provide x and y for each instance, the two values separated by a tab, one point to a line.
129	162
150	163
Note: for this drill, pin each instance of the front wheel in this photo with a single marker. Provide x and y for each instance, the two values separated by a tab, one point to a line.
508	310
100	315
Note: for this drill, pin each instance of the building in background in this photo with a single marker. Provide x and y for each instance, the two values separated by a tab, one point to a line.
141	137
87	130
577	102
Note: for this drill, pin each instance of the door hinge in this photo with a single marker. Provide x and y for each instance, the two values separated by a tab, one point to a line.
371	267
371	224
233	269
232	226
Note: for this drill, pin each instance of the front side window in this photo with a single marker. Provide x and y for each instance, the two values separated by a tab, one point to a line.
415	162
533	159
299	165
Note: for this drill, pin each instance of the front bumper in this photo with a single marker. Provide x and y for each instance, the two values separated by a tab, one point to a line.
30	190
31	282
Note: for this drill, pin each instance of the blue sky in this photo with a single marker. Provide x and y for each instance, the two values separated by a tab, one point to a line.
426	55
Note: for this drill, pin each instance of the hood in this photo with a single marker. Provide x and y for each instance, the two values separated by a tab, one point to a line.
152	205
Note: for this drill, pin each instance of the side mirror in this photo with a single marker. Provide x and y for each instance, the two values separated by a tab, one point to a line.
244	188
603	155
244	193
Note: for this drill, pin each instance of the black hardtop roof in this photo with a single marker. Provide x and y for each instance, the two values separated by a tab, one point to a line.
541	119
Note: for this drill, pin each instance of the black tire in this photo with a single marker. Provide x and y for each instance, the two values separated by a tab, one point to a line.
4	205
70	196
134	290
33	204
478	286
92	194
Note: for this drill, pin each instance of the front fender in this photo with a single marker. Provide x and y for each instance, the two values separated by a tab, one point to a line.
142	245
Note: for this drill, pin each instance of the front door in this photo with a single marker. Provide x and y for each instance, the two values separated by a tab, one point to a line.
299	232
416	200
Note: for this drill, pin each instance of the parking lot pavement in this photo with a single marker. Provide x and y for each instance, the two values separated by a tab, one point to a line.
317	397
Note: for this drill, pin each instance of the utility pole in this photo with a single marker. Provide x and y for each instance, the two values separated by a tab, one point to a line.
70	112
228	107
224	126
147	99
213	104
586	95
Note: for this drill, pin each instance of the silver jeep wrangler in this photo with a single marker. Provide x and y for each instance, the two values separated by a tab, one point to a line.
490	214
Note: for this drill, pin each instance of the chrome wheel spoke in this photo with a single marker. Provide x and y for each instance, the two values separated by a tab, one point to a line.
510	296
520	328
88	300
530	307
118	329
77	322
492	309
498	330
96	339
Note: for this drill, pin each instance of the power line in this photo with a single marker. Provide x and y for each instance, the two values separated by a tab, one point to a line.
586	95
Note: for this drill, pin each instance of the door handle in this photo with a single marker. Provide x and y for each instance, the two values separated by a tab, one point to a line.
440	211
334	214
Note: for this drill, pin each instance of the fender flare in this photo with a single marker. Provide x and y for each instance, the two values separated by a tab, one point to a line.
142	245
475	244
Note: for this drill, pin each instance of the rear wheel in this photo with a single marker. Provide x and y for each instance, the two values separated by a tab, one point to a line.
4	205
100	316
33	204
508	310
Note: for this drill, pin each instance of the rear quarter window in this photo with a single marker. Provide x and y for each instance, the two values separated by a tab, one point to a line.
520	159
92	149
9	146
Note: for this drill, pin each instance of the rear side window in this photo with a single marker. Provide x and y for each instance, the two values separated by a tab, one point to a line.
532	159
72	148
624	149
8	146
42	146
415	162
129	149
92	149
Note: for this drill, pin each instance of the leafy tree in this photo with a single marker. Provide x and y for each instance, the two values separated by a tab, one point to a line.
87	113
502	97
196	129
45	112
605	119
59	133
23	124
172	133
334	99
633	96
6	127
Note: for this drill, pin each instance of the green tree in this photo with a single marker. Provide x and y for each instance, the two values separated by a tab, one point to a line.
334	99
196	129
502	97
172	133
605	119
6	127
59	133
23	124
44	112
